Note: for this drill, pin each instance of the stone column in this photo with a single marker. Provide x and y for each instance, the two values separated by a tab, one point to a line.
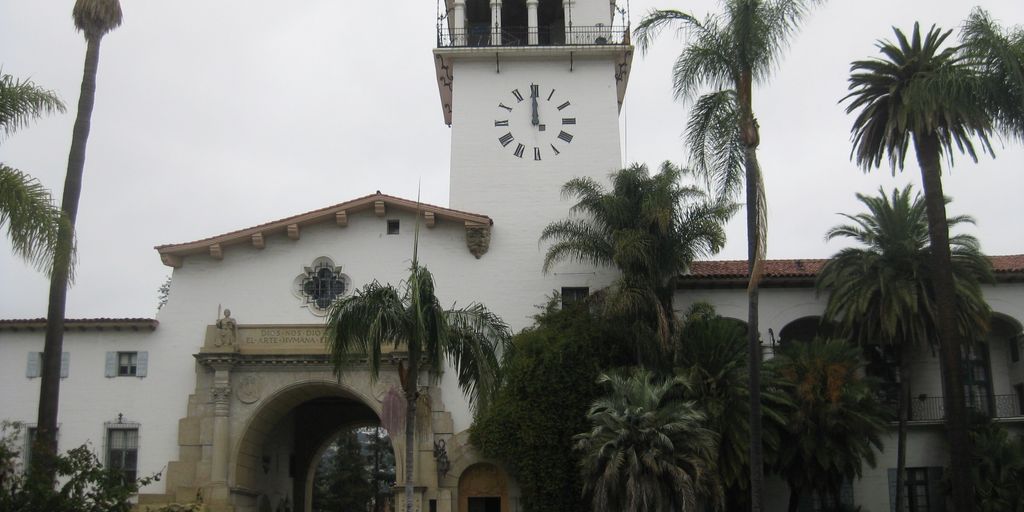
570	38
496	22
459	23
531	21
221	394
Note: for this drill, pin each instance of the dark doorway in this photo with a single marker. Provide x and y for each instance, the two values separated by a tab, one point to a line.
484	504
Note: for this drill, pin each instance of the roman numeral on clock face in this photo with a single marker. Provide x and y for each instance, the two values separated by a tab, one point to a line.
550	95
534	91
563	105
553	148
506	139
568	120
567	137
517	94
504	106
503	122
519	150
536	153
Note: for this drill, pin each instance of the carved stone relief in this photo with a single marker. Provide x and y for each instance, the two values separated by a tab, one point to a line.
249	389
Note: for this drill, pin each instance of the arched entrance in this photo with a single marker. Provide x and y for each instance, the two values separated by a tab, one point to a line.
265	409
286	436
483	487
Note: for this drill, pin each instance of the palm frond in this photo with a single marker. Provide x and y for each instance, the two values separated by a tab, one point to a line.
22	101
713	139
95	18
33	221
655	21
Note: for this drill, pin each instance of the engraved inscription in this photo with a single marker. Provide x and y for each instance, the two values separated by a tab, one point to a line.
283	336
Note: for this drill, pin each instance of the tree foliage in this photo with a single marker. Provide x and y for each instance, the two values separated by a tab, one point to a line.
725	55
998	469
26	207
349	476
647	450
411	318
85	485
649	227
711	357
550	379
836	423
942	100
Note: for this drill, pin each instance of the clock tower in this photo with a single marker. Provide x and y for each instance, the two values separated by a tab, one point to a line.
532	91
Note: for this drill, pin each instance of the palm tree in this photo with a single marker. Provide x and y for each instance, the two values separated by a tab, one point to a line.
881	292
726	54
647	451
94	18
711	356
25	205
649	227
940	100
379	315
836	424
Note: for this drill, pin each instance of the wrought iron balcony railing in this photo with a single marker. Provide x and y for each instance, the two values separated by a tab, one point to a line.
483	36
931	408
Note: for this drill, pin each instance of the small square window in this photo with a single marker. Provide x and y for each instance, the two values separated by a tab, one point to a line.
127	364
393	225
573	294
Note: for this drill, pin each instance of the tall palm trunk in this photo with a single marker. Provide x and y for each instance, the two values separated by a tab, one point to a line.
49	387
794	498
411	396
751	139
928	153
903	405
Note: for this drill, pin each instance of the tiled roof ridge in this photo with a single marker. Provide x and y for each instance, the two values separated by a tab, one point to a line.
319	210
76	320
810	267
81	324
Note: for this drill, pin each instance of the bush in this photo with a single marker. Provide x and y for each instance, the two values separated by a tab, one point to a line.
550	379
85	485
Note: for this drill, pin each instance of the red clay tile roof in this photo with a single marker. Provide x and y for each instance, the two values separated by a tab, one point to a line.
810	268
81	324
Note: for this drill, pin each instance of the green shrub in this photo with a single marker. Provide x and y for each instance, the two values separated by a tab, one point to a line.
84	484
550	379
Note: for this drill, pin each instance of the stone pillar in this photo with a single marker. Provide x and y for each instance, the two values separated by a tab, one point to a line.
496	22
531	21
444	501
570	38
221	394
459	23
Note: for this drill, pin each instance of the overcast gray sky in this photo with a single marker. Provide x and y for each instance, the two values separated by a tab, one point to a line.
214	115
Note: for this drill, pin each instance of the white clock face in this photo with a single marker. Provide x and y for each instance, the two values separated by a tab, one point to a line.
534	122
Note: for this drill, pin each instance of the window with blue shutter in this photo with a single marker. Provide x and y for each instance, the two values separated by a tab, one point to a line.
35	365
127	364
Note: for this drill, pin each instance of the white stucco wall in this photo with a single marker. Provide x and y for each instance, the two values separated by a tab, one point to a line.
88	398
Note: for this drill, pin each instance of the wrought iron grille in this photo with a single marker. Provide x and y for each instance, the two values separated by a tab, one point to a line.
322	284
483	35
932	408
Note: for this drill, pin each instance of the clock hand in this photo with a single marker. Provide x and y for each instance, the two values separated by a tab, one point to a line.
533	99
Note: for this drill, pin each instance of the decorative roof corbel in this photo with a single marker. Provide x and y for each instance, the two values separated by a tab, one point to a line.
478	238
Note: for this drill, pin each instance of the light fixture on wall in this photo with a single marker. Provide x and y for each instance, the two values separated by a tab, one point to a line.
441	456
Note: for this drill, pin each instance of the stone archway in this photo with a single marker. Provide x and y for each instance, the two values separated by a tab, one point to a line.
284	438
264	407
483	487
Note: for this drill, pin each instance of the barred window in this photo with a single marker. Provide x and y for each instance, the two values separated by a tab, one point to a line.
123	451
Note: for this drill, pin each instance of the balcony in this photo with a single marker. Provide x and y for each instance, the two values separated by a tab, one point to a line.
931	408
486	36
